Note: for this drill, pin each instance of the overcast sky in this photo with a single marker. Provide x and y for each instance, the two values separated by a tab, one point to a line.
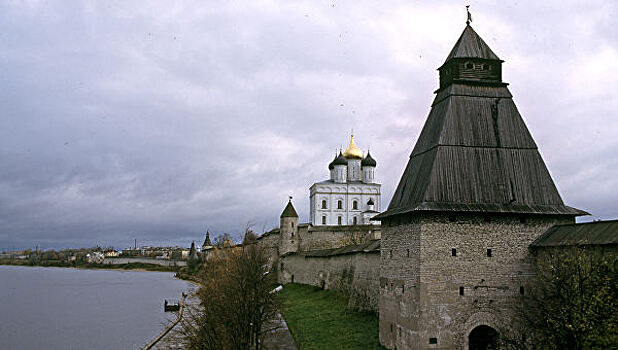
159	120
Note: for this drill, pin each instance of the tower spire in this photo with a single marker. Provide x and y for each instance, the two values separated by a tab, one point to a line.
469	15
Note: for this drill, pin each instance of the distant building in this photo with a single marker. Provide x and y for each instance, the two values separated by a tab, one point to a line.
111	253
350	196
95	257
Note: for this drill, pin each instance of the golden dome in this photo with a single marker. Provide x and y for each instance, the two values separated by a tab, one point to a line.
353	152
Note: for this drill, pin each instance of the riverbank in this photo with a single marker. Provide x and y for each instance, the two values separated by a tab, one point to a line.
89	266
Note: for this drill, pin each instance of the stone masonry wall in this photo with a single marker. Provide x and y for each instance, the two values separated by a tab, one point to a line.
428	302
328	237
356	274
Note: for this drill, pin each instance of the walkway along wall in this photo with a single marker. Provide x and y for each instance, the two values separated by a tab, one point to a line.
353	269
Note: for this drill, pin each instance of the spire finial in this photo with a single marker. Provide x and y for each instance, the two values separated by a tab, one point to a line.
290	197
469	15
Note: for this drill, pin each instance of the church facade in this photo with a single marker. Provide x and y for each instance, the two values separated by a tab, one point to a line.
350	196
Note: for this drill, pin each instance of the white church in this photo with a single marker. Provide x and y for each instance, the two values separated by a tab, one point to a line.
351	196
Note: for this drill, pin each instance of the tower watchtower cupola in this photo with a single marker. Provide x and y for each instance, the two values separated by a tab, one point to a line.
471	61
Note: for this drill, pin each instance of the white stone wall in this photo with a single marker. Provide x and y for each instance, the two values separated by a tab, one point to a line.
368	174
347	193
354	170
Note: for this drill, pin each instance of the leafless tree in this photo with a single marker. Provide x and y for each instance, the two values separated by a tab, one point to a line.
236	300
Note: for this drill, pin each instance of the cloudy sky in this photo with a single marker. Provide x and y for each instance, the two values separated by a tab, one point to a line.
159	120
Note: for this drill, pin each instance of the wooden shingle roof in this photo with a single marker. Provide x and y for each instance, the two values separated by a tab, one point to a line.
289	211
471	45
475	154
589	233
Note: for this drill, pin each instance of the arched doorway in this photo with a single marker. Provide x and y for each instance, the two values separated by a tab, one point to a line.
483	338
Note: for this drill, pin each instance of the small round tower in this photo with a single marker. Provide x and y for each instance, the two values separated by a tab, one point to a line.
341	168
288	230
368	164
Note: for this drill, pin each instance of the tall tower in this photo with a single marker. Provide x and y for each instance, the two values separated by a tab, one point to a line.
475	193
288	230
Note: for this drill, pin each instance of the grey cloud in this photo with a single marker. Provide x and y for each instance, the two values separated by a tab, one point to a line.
122	121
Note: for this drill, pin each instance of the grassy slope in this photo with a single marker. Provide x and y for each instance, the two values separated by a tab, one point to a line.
320	319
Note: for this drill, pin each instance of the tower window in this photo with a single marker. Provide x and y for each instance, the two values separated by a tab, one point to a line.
355	205
390	253
339	220
339	204
489	253
354	220
408	253
454	252
324	220
521	290
323	204
461	290
433	340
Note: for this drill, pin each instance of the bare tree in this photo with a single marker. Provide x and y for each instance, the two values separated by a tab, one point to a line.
236	300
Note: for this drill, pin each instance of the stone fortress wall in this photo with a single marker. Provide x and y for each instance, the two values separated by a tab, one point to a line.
341	258
460	272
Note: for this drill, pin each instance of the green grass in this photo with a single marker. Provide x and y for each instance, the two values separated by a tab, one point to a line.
320	319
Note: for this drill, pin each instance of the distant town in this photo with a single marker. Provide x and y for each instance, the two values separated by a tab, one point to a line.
131	257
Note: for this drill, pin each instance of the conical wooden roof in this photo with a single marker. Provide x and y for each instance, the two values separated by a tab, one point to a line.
471	45
475	153
289	211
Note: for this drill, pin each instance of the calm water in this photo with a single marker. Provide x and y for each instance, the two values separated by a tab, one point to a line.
56	308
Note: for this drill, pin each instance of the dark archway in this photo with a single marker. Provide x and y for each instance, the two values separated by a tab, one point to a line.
483	338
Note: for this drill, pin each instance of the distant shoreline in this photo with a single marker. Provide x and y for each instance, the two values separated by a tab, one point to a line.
143	267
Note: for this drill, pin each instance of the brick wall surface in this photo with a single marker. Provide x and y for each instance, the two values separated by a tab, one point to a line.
420	279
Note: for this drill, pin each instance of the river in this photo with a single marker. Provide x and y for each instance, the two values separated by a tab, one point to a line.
60	308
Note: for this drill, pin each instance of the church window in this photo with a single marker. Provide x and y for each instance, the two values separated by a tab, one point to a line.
355	205
469	65
390	254
408	253
521	290
324	220
433	340
339	220
454	252
339	204
461	290
354	219
323	204
489	253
